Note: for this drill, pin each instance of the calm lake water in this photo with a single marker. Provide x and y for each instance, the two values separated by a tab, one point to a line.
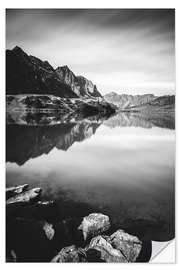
123	166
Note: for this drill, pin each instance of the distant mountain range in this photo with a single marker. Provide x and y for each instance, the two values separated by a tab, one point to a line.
124	101
147	103
26	74
34	84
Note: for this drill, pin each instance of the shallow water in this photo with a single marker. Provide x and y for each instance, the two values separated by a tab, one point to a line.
122	166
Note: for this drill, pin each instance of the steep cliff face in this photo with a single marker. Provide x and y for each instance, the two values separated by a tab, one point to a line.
124	101
87	88
80	85
66	76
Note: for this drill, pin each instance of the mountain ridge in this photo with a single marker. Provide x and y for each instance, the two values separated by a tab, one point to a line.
145	102
79	84
27	74
124	100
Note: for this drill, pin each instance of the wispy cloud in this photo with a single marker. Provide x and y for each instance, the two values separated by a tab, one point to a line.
119	50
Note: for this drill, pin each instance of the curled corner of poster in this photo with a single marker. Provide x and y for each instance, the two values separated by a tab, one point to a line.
165	253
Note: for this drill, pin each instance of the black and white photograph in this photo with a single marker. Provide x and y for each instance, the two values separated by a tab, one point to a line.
90	134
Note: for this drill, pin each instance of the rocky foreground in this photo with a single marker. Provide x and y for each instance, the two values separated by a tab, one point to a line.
33	236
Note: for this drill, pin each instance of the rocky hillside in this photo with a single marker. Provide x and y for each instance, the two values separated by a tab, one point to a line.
124	101
148	103
80	85
49	103
162	104
26	74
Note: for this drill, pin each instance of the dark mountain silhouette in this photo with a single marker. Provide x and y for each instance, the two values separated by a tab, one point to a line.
26	74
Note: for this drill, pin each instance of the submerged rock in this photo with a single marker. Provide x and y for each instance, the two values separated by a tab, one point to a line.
13	191
45	203
25	197
94	224
48	229
70	254
129	245
106	252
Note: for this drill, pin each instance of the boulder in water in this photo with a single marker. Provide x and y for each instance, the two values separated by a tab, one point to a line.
48	229
70	254
105	250
25	197
94	224
13	191
129	245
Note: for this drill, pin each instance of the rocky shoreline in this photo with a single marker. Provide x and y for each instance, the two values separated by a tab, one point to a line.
32	235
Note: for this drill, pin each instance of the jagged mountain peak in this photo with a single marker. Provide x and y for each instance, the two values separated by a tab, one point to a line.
19	51
38	62
29	74
65	67
126	100
63	71
80	77
17	48
79	84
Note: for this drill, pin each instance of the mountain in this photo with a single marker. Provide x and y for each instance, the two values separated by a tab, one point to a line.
146	104
124	101
80	85
27	74
162	101
160	105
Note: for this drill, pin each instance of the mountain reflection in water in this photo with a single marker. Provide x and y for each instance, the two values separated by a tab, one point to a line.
25	142
123	167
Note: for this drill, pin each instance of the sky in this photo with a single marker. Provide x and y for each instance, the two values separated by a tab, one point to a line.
130	51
